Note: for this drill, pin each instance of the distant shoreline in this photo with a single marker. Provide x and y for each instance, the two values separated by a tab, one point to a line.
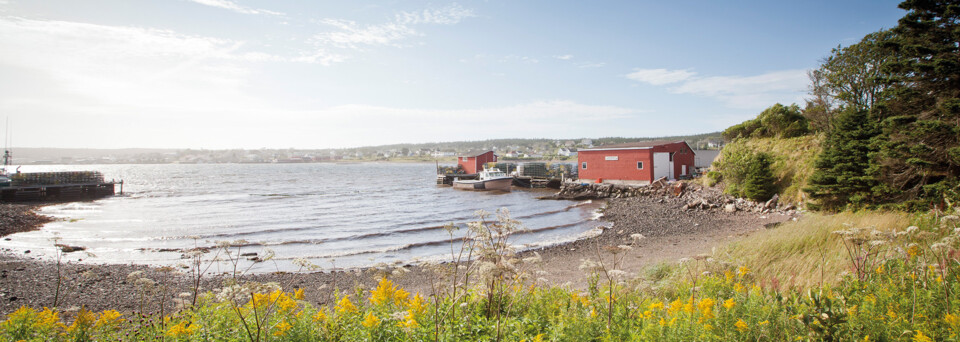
444	161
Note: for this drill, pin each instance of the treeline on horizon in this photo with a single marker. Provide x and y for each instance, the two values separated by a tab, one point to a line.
452	146
888	111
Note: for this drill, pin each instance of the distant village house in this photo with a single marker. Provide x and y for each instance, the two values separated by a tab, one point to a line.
473	161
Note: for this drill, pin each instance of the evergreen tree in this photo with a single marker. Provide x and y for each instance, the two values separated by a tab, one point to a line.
844	173
758	185
920	113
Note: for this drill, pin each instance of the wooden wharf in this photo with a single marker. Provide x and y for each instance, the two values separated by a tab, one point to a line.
58	192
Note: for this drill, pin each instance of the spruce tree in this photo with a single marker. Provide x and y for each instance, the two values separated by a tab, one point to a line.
758	185
844	173
920	113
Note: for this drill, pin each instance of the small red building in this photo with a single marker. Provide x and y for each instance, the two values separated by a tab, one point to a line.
636	163
473	161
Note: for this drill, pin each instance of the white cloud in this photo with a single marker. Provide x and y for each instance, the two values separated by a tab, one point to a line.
230	5
748	92
758	91
660	76
564	57
444	16
114	65
352	35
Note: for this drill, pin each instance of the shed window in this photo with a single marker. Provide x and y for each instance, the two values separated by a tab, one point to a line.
584	165
639	165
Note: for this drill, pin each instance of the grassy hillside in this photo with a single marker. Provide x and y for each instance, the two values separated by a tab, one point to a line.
793	161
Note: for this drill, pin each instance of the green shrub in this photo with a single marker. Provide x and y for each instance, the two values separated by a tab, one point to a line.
758	183
713	177
777	121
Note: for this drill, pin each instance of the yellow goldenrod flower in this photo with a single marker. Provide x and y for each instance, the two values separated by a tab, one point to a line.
952	319
46	319
655	306
763	323
383	292
84	320
400	296
741	325
282	328
707	327
728	275
320	316
370	320
675	306
109	317
852	311
647	314
345	305
183	328
742	271
880	269
284	302
920	337
706	307
408	322
913	250
593	312
738	287
688	307
417	305
538	338
298	294
729	303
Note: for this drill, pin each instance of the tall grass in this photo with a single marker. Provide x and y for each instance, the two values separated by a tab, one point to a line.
806	253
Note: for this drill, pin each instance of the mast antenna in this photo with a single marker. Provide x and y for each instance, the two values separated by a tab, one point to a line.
6	147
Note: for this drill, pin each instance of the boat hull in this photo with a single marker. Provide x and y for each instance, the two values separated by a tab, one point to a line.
501	184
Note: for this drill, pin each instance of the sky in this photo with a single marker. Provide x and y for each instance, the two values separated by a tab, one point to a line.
221	74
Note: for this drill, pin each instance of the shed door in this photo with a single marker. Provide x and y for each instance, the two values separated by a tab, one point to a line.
661	165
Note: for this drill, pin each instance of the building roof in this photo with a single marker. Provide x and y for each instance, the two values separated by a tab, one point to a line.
633	145
473	153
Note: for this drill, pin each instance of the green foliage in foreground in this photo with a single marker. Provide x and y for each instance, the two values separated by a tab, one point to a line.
902	284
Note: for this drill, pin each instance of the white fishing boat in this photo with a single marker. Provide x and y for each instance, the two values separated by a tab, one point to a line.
488	179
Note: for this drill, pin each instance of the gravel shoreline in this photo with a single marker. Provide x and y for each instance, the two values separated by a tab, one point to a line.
671	232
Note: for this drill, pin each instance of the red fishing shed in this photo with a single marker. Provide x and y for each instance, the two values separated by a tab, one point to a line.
473	161
636	163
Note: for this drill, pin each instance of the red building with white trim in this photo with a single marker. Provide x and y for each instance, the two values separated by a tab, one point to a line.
473	161
636	163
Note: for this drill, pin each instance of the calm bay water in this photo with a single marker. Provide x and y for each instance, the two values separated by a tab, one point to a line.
347	215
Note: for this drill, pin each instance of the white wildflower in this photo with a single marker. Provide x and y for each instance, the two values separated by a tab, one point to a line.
637	237
617	274
912	229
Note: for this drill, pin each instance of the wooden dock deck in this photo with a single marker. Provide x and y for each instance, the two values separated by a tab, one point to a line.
518	181
58	192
